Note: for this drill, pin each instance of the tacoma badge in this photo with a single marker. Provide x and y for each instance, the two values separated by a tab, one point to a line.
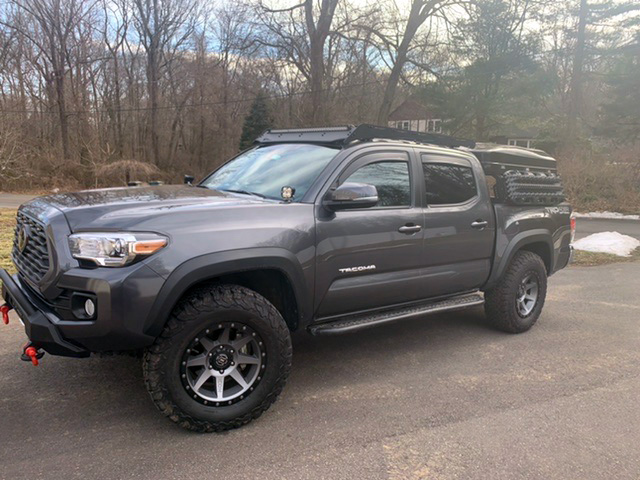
361	268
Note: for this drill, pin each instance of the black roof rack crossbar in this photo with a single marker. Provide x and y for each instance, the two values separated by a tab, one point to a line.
322	135
343	135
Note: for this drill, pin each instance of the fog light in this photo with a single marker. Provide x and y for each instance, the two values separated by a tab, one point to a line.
89	307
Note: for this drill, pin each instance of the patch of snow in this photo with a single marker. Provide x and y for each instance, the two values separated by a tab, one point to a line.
613	215
608	242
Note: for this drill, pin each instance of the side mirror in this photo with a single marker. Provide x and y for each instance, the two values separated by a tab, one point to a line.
351	195
188	179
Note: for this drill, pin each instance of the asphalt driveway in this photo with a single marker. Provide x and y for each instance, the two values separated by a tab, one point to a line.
588	226
437	397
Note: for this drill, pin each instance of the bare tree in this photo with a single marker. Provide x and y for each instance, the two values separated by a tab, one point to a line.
163	27
51	27
88	83
299	34
114	33
397	44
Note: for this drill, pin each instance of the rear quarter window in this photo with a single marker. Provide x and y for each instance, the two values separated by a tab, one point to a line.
447	184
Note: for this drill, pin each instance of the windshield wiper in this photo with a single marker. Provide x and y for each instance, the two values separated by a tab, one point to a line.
245	192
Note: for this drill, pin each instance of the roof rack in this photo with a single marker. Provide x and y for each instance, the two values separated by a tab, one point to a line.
346	134
322	135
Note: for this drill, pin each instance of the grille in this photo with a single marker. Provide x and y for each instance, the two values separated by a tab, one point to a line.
33	260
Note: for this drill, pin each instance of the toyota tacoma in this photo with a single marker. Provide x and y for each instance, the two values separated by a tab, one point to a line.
325	230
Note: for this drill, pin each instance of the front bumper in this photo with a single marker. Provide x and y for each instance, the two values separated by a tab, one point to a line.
124	297
51	307
37	319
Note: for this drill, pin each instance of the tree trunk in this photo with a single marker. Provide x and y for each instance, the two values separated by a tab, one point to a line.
390	91
575	100
417	16
316	59
117	105
58	80
152	80
318	33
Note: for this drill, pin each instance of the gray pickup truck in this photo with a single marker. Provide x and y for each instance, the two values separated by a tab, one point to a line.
326	230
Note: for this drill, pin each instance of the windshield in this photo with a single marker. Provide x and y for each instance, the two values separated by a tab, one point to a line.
265	170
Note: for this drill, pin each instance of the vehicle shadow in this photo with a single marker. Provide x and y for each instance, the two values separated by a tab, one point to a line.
341	359
108	392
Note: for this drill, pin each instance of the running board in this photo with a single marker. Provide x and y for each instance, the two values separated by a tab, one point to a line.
358	322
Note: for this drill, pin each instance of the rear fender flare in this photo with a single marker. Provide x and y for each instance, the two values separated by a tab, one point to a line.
518	242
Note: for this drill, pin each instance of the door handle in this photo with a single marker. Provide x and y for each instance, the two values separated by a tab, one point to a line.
479	224
410	229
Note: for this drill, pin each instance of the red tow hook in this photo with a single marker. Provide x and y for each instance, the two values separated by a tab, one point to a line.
32	353
5	313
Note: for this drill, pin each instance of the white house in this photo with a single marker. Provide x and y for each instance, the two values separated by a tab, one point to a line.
411	115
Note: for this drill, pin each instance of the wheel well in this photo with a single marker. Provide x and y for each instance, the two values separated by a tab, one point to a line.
272	284
542	250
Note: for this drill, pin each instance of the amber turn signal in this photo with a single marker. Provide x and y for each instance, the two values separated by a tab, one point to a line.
147	247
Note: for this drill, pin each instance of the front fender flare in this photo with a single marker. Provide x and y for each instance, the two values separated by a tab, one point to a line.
212	265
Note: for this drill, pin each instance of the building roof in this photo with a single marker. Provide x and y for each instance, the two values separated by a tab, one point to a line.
410	110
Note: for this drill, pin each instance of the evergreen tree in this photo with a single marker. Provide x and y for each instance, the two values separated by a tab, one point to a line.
495	81
256	122
621	112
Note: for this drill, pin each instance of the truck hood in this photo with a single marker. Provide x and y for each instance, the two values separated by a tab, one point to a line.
127	207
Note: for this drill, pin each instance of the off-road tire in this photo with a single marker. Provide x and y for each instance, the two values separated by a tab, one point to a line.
198	310
500	301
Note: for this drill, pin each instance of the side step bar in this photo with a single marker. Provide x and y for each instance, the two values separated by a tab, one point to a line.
358	322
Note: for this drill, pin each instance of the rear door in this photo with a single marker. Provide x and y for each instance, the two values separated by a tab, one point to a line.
370	257
459	224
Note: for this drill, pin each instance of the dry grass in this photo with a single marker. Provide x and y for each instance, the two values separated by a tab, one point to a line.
123	171
7	226
592	259
602	182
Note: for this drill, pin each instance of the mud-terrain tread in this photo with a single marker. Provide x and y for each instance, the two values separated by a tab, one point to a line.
499	302
187	310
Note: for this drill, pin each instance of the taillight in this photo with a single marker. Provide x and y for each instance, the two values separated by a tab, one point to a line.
573	228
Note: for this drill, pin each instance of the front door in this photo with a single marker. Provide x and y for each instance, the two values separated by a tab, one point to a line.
370	257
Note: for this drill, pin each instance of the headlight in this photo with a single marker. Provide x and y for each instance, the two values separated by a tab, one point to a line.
114	249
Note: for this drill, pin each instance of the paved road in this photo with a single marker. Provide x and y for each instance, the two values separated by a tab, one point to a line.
443	397
587	226
12	200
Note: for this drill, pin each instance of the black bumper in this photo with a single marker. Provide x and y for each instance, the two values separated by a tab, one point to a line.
37	319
